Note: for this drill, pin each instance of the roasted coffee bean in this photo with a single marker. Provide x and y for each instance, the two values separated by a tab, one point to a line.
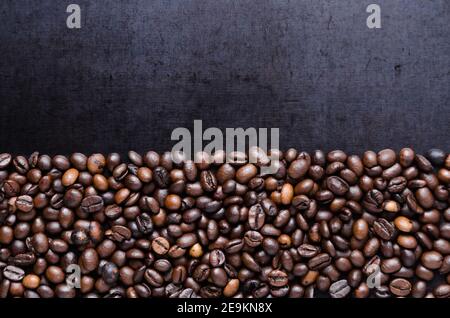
319	261
5	160
442	291
256	217
166	226
144	223
400	287
21	164
160	245
119	233
79	237
360	229
431	259
153	278
337	185
13	273
390	265
339	289
298	168
161	177
208	181
24	259
24	203
308	250
216	258
92	204
383	228
277	278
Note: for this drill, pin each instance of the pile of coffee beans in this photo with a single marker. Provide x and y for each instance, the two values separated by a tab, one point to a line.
320	225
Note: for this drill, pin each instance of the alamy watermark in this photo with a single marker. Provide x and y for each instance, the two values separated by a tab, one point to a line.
227	146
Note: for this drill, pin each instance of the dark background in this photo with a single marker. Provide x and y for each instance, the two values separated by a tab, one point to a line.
138	69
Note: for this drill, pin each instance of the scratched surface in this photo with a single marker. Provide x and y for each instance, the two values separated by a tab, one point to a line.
138	69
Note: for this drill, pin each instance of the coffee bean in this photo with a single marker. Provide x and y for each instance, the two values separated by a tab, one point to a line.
403	224
253	238
119	233
442	291
89	260
319	261
24	203
144	223
21	164
287	193
216	258
400	287
208	181
160	245
31	281
92	204
386	158
23	259
360	229
245	173
339	289
156	226
5	160
256	217
397	184
79	237
96	163
231	288
390	265
13	273
269	207
298	168
308	250
425	198
431	259
383	228
277	278
210	292
337	185
423	163
153	278
218	276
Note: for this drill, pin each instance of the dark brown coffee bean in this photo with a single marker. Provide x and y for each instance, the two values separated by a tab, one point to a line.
298	168
383	228
308	250
13	273
319	261
278	278
431	260
24	203
337	185
5	160
256	217
442	291
216	258
119	233
253	238
208	181
339	289
390	265
400	287
89	260
92	204
160	245
144	223
153	278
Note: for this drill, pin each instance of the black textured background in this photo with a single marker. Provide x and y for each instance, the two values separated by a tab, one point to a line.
138	69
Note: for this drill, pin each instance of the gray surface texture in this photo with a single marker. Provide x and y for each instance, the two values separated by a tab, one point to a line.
138	69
